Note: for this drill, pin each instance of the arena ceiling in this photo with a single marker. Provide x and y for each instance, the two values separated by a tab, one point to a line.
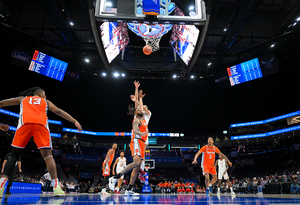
238	30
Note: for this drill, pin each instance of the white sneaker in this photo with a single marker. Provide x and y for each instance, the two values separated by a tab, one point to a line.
130	192
103	191
232	193
112	182
218	193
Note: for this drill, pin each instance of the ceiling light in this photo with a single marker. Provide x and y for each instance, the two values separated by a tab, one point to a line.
104	74
225	29
108	4
192	76
209	64
123	74
298	19
272	46
174	76
87	60
116	74
71	23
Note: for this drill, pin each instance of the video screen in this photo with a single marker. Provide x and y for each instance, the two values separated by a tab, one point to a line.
184	38
114	37
48	66
243	72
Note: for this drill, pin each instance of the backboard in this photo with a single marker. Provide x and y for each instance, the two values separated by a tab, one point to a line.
130	11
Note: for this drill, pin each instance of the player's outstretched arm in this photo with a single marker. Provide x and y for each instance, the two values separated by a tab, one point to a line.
114	166
136	93
11	102
216	164
64	115
196	157
230	164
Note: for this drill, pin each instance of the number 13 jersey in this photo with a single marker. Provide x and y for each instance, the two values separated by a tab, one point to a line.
33	109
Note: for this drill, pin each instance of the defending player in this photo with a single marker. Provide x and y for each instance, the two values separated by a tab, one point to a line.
207	164
137	147
121	164
33	121
222	173
106	166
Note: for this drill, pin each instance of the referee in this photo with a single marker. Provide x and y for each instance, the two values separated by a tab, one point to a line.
13	173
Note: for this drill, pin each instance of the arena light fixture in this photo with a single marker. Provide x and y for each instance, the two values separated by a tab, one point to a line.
103	74
123	74
108	4
116	74
174	76
86	60
298	19
192	77
71	23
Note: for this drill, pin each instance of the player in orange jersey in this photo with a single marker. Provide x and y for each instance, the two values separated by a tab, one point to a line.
208	161
106	166
33	121
137	147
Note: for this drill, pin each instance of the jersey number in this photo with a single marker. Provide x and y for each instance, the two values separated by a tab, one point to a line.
210	156
36	101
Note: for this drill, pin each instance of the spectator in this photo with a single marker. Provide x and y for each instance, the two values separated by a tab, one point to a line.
295	187
260	186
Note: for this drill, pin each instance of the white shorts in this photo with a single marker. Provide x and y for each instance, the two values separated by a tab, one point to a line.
221	176
119	171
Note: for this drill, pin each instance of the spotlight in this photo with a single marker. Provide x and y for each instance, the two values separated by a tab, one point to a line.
272	46
116	74
123	74
87	60
71	23
174	76
298	19
192	76
209	64
108	4
191	8
103	74
225	29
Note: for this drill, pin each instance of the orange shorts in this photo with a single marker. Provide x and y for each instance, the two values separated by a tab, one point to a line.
40	133
106	171
137	147
209	169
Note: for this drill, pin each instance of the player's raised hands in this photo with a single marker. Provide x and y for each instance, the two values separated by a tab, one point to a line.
136	84
133	98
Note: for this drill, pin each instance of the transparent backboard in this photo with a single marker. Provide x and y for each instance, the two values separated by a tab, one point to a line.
131	11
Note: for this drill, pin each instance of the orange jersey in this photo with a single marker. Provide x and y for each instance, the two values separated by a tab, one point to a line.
111	158
208	155
33	109
142	128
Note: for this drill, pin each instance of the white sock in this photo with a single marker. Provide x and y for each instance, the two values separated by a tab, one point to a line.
218	189
3	181
143	165
55	183
209	184
117	188
231	189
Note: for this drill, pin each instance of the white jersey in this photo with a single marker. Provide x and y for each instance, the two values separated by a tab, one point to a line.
121	164
222	168
222	164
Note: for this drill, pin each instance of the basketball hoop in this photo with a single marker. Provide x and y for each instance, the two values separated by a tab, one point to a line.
153	42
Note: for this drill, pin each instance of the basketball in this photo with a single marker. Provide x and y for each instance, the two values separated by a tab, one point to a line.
147	50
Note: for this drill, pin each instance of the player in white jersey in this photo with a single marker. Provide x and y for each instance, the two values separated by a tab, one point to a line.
121	164
222	173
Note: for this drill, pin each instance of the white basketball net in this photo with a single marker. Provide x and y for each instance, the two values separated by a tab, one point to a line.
153	42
